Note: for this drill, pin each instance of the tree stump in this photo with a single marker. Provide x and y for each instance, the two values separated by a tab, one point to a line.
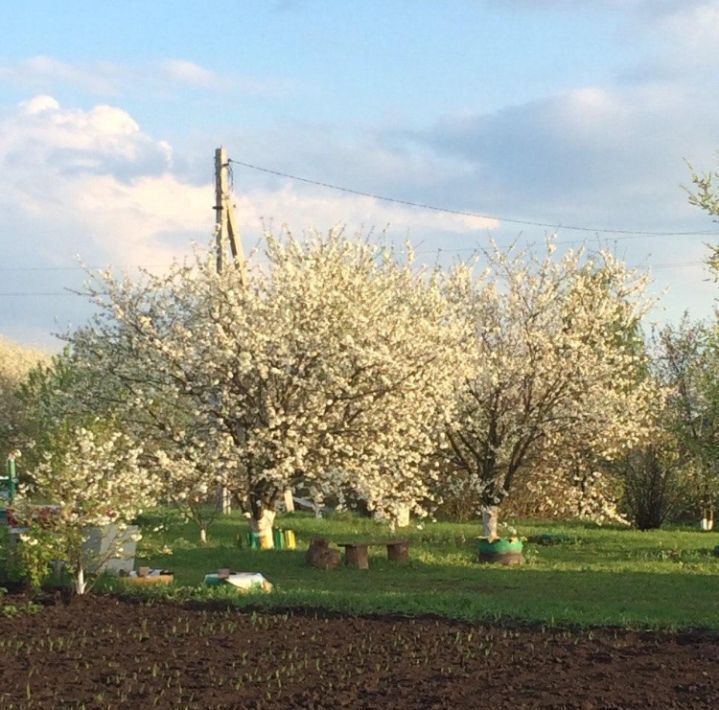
321	555
356	555
398	551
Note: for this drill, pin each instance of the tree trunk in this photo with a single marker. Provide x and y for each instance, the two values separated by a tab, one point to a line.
80	583
223	500
203	535
262	525
402	516
490	514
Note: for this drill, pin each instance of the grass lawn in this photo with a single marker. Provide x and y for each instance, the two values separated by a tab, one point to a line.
599	575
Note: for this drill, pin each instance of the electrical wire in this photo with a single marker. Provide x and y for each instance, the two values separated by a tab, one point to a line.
80	268
12	294
466	213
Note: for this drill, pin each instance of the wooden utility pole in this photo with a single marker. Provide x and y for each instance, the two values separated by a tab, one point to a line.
226	232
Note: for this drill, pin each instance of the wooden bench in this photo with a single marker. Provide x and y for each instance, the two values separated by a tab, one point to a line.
357	553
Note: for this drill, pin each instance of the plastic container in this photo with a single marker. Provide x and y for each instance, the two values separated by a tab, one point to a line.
278	538
290	541
243	581
213	580
253	540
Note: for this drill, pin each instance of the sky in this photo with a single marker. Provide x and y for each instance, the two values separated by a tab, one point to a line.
565	113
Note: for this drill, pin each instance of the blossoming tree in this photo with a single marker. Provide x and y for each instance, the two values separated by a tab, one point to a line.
94	478
328	369
554	368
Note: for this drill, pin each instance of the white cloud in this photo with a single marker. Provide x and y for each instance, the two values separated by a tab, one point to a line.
40	104
43	73
96	179
102	78
184	72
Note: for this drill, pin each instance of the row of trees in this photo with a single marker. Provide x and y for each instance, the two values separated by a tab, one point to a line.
341	368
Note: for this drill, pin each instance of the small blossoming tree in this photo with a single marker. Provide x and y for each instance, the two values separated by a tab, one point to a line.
91	478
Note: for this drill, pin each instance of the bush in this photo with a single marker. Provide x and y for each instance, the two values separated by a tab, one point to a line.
651	486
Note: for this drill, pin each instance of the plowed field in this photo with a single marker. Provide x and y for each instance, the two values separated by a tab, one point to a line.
101	652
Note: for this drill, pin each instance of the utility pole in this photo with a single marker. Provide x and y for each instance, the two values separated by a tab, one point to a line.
221	189
226	231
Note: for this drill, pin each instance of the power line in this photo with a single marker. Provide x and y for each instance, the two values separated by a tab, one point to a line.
38	293
40	268
465	213
80	268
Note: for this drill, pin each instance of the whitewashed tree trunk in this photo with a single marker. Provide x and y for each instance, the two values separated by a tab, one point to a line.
203	535
490	515
403	516
223	500
289	500
80	583
263	527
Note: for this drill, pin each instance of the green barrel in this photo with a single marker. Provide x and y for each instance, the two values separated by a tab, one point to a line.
253	540
278	538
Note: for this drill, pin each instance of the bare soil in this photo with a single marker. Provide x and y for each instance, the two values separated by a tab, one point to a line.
102	652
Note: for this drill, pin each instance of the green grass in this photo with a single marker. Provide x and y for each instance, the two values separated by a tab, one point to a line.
608	576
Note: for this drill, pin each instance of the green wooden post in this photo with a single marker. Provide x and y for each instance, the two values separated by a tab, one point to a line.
11	478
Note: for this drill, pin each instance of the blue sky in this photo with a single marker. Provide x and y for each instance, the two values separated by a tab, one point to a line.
567	112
